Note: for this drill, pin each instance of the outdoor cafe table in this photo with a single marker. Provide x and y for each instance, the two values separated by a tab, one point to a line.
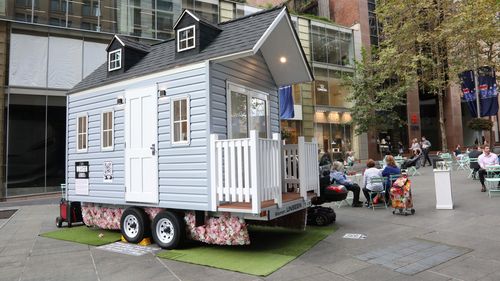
357	178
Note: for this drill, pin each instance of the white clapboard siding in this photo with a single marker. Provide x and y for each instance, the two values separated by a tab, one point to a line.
182	171
251	72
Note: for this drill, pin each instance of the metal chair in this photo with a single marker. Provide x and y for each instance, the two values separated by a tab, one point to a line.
492	180
376	180
472	174
463	163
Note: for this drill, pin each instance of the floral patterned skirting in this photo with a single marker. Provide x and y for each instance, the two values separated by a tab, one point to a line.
224	230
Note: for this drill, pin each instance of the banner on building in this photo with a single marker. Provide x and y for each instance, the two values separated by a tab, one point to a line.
468	91
488	94
286	102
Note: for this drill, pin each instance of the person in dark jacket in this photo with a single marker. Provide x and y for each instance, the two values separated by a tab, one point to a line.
474	153
390	169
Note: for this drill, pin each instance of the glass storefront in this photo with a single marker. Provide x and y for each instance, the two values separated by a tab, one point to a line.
35	144
333	132
332	44
148	19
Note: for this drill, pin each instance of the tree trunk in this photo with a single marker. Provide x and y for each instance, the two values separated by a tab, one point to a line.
444	146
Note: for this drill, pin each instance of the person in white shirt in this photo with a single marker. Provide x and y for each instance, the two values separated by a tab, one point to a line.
484	160
370	173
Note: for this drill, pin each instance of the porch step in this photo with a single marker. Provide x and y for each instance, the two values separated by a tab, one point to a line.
246	207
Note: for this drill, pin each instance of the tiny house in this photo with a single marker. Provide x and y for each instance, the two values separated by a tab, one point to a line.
188	129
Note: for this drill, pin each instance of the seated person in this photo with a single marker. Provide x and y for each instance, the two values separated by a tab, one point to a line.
337	175
413	161
474	153
370	173
486	159
390	169
350	158
458	153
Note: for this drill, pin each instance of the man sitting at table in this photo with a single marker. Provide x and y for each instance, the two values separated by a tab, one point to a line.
484	160
337	175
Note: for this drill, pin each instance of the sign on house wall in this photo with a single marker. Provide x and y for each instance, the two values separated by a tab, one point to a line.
108	172
82	178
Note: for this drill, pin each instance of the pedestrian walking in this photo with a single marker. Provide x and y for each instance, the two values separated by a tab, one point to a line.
426	145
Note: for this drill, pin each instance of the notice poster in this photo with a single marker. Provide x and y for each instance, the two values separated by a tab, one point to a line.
82	178
108	172
82	186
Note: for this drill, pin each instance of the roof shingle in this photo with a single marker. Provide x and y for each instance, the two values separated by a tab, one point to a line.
237	36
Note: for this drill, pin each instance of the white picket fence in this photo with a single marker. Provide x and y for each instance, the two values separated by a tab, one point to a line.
250	169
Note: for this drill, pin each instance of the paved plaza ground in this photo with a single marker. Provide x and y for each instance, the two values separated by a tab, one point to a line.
459	244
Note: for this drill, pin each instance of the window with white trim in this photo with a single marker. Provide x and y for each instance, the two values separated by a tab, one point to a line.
185	38
180	121
247	110
115	60
107	130
81	133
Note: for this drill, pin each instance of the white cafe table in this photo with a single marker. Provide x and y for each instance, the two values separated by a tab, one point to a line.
357	178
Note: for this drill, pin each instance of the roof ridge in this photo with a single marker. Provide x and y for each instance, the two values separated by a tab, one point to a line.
279	7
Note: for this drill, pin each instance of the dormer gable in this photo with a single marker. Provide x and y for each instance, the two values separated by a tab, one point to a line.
193	34
123	53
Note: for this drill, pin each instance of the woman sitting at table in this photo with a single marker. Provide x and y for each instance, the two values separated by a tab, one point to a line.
337	175
390	169
370	173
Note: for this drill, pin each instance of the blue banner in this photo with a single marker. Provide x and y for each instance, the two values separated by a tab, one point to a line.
286	102
488	95
469	91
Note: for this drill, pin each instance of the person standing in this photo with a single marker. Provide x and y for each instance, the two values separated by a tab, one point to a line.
426	145
484	160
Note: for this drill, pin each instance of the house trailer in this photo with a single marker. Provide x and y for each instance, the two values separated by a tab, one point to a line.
183	136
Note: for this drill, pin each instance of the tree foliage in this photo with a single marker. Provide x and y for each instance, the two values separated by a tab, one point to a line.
375	92
424	43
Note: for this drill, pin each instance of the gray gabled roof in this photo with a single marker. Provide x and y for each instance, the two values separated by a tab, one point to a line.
237	36
130	43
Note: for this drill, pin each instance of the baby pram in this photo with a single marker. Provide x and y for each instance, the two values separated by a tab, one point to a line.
401	197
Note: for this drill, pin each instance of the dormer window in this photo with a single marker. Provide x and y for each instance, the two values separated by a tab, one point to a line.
115	60
185	38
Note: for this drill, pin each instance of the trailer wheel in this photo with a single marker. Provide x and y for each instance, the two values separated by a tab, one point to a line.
168	230
134	224
59	221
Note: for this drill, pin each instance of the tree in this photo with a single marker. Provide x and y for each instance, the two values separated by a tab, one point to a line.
375	92
435	39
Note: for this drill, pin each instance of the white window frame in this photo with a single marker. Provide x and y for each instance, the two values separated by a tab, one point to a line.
188	120
78	133
118	63
250	93
112	130
187	39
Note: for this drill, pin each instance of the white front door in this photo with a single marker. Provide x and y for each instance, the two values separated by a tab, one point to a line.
141	147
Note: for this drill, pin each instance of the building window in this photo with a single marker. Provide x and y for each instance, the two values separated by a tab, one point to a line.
115	60
107	130
185	38
180	120
81	136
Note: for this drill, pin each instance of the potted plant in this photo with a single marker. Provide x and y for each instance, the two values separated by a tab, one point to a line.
480	124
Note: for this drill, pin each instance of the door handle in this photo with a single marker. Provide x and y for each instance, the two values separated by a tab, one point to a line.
153	149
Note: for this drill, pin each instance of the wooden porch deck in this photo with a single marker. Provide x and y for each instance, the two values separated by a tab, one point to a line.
286	197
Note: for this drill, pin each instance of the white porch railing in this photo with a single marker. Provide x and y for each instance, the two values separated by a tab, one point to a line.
300	168
308	167
246	170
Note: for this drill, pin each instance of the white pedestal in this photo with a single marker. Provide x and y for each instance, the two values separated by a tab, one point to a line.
442	183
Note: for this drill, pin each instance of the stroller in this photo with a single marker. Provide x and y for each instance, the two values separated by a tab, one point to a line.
401	197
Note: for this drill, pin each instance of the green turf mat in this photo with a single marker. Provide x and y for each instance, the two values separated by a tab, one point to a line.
271	249
84	235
